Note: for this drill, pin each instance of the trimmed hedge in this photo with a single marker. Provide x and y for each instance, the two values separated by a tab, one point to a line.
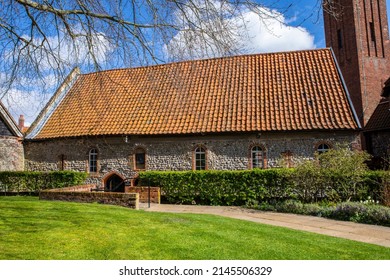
26	181
252	186
219	187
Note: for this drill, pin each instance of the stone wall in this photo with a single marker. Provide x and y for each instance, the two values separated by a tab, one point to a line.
224	152
130	200
11	154
82	188
380	143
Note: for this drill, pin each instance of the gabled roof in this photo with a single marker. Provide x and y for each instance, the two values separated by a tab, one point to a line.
288	91
386	88
6	117
380	119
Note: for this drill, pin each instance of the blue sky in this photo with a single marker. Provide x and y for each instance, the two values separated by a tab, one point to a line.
303	9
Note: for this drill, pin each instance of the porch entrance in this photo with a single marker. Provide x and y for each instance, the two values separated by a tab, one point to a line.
114	183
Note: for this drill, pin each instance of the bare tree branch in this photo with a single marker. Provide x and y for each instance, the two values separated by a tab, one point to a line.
41	40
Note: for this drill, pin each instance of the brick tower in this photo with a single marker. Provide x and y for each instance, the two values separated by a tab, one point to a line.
359	37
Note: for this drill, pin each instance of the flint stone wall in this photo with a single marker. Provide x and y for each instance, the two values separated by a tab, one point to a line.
224	152
11	154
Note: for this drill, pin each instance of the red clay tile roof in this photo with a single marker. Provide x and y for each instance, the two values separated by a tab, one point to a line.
380	119
299	90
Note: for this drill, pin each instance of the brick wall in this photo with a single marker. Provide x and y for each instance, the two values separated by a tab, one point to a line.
82	188
229	152
364	62
380	143
144	194
130	200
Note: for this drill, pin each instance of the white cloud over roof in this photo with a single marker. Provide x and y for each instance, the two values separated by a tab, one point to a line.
265	30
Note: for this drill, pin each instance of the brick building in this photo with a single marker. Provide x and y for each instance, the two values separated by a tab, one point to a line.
241	112
377	131
359	37
11	147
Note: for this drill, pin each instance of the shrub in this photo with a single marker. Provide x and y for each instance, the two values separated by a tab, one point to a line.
309	181
338	175
344	171
378	186
367	213
251	187
220	187
362	213
26	181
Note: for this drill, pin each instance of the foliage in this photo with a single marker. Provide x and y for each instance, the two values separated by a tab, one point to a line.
383	179
27	181
368	212
362	213
344	170
340	174
36	229
309	181
220	187
306	183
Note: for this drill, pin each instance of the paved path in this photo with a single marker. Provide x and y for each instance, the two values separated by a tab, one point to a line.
360	232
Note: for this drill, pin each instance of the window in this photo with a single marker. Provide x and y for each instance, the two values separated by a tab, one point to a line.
93	155
139	159
322	148
257	157
339	39
372	31
200	158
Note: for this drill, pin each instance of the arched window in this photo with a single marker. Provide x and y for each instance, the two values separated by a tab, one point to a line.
93	156
139	159
200	158
322	148
257	157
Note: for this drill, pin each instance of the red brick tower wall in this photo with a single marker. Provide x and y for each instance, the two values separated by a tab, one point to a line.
359	37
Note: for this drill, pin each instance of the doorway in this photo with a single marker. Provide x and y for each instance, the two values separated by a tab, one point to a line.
114	183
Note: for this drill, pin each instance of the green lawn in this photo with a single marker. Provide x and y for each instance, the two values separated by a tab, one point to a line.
33	229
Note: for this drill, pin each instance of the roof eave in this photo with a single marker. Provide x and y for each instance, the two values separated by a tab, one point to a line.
10	122
53	103
346	90
197	133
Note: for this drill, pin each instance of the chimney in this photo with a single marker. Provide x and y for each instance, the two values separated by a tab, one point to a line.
21	122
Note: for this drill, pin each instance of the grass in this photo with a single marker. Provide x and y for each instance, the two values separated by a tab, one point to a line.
33	229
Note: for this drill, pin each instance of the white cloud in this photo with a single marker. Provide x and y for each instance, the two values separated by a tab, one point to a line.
59	51
273	34
250	32
29	104
31	92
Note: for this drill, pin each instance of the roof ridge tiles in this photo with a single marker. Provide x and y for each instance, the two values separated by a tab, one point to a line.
204	60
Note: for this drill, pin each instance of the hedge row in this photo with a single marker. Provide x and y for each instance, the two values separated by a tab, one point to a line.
248	186
26	181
